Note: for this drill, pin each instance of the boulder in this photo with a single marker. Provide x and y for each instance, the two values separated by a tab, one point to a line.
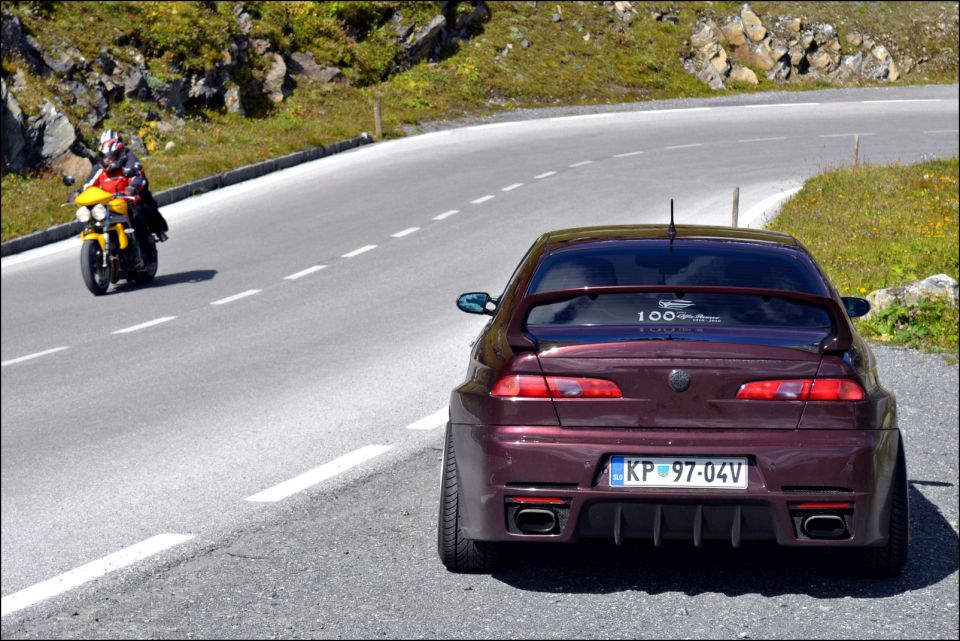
759	55
793	24
70	164
171	95
937	287
733	32
273	81
49	135
232	102
756	32
14	156
423	43
709	75
303	64
135	84
749	18
853	38
743	74
703	36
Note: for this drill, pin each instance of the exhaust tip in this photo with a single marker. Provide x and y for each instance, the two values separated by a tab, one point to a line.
824	526
536	521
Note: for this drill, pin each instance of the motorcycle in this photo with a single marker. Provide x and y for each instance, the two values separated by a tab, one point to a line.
110	249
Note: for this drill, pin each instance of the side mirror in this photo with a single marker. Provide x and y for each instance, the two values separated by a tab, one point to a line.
69	181
855	307
476	303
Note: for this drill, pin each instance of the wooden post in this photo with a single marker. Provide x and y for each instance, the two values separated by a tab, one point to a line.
377	120
856	151
736	205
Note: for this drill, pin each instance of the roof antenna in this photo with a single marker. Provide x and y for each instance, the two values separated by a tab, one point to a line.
672	229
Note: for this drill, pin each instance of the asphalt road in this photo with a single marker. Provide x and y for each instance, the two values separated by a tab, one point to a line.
168	429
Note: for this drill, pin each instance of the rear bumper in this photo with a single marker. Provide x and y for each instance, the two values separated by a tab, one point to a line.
786	468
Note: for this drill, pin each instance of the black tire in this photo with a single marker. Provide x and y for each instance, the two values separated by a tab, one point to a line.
457	553
95	276
889	560
149	271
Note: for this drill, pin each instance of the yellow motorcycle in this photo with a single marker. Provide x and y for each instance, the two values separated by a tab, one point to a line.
110	248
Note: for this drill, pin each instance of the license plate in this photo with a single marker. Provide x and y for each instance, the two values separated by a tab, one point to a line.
641	471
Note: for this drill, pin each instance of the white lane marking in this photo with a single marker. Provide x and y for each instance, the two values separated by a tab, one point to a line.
493	125
545	174
482	199
305	272
436	419
696	144
93	570
628	113
762	139
581	163
29	356
447	214
874	102
512	187
629	153
230	299
942	131
156	321
843	135
357	252
756	213
782	104
327	470
405	232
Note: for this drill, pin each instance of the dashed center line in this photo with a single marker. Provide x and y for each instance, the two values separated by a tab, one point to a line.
942	131
447	214
512	187
629	153
696	144
843	135
305	272
868	102
581	163
357	252
327	470
482	199
93	570
230	299
134	328
30	356
545	174
763	139
436	419
405	232
782	104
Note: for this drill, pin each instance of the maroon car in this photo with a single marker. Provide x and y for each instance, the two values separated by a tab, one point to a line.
696	383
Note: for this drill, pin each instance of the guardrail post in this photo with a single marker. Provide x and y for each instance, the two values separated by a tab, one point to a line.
856	151
377	120
736	205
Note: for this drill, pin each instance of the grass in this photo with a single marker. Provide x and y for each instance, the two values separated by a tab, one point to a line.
875	227
589	57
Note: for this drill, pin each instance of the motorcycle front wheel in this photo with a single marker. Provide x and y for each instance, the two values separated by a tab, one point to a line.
95	276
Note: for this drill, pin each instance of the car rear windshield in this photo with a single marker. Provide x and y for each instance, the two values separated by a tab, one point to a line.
649	264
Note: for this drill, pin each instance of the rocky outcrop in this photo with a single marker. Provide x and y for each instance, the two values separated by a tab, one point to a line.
785	49
14	156
49	135
303	64
939	287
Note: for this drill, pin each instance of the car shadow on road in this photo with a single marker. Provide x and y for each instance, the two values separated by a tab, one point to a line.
600	567
165	280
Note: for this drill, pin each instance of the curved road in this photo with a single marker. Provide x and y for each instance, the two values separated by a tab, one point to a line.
308	315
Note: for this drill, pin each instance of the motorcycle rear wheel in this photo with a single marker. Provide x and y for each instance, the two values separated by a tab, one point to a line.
95	276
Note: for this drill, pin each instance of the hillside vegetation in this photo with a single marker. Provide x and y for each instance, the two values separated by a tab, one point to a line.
202	87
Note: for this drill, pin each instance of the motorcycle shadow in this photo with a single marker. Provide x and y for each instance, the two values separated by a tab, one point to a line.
165	280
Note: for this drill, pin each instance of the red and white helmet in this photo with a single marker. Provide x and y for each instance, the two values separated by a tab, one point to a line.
111	154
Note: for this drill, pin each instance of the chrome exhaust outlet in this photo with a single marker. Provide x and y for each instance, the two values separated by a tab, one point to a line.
536	521
824	526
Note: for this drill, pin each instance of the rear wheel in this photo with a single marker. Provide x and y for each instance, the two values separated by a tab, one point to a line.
95	276
151	261
457	553
890	559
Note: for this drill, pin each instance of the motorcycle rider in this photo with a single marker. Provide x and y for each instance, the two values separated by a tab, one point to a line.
128	162
128	183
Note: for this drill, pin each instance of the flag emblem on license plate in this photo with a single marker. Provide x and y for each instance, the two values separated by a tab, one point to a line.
663	470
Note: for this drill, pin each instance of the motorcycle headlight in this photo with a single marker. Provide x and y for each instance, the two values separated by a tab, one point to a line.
83	214
99	212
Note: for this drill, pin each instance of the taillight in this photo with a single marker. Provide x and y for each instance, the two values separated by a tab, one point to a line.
533	386
803	389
